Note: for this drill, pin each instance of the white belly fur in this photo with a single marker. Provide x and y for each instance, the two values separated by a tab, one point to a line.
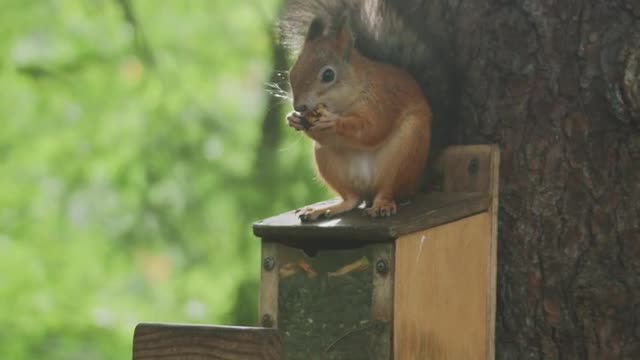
361	170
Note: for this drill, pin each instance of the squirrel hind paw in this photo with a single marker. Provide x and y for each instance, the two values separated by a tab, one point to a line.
382	209
310	214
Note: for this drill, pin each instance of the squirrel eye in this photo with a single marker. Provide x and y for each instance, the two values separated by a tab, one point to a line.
328	75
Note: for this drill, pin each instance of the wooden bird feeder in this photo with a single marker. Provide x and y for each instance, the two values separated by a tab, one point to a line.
418	285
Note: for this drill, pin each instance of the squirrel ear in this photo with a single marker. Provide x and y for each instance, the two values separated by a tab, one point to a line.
316	29
344	36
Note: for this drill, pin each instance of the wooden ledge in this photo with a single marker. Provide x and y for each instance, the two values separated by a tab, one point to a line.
423	212
201	342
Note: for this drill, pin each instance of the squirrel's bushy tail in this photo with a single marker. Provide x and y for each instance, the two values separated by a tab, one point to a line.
381	33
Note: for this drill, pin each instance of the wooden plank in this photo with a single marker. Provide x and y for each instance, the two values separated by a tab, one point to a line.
468	168
329	306
494	191
382	300
440	303
193	342
423	212
383	275
268	301
460	174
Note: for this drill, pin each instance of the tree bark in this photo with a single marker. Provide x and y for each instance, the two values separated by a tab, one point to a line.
557	85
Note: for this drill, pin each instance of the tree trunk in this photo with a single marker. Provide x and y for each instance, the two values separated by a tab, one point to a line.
557	85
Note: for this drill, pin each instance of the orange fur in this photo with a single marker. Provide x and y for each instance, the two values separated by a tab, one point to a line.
377	128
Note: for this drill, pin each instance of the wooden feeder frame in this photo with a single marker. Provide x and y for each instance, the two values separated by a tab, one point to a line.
418	285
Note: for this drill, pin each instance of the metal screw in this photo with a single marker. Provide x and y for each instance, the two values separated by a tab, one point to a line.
382	267
267	321
269	263
474	166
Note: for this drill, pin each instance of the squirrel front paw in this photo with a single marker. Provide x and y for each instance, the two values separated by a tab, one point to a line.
324	119
297	121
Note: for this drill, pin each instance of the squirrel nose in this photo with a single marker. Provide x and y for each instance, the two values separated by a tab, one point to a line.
300	108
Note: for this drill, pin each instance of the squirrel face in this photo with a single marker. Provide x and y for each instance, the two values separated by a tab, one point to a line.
322	73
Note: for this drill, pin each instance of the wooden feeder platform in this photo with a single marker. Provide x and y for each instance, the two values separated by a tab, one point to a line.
417	285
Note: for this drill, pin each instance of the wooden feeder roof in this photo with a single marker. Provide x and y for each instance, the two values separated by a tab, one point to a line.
423	212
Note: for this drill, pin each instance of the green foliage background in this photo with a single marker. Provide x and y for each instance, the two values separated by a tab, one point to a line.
128	148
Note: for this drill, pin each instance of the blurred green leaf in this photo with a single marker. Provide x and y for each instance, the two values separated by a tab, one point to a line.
127	188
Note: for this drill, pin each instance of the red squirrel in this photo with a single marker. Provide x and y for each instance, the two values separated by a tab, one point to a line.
369	121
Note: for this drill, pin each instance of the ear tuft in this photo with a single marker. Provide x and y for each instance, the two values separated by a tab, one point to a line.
316	29
344	23
344	36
